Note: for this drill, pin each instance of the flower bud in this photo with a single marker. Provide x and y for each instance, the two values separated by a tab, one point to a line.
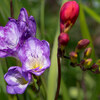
95	68
88	63
63	39
69	13
62	27
98	62
87	52
82	44
73	57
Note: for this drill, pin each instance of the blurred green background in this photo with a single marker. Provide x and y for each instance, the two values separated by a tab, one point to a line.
46	14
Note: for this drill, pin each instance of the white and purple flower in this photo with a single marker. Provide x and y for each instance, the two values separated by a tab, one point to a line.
15	33
9	39
18	39
17	80
26	24
34	56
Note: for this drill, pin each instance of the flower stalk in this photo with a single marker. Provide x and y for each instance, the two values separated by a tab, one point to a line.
11	9
68	15
59	76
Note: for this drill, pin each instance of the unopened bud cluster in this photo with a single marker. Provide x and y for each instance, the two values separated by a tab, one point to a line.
82	44
68	15
86	62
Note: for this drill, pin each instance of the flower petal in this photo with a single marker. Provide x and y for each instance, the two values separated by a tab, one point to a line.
11	77
27	25
23	16
32	26
17	80
9	38
19	89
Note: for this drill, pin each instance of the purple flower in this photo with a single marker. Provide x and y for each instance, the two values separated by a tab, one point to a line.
17	80
34	56
13	35
26	24
9	38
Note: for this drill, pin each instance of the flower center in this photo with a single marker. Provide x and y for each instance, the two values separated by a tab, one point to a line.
22	81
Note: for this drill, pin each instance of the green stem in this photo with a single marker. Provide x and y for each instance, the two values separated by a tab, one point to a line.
42	18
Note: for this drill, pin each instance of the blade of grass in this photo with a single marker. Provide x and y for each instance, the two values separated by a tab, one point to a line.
52	78
2	83
5	7
33	95
85	30
92	13
42	18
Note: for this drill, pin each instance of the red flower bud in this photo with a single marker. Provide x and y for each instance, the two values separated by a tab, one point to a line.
62	27
63	39
69	13
95	66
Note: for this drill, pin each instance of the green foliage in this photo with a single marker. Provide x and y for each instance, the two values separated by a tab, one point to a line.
92	13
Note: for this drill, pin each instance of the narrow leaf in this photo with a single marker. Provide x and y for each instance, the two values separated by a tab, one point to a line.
52	78
92	13
2	83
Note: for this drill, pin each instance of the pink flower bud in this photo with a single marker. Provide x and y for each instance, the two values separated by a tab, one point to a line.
88	63
69	13
94	66
62	27
73	57
82	44
63	39
98	62
87	52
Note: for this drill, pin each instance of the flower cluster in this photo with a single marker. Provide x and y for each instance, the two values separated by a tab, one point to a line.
85	62
17	39
68	15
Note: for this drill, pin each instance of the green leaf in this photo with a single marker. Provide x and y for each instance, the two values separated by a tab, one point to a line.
85	30
2	83
33	95
53	73
92	13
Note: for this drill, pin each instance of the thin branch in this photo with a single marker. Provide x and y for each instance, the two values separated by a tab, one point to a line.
67	57
11	9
